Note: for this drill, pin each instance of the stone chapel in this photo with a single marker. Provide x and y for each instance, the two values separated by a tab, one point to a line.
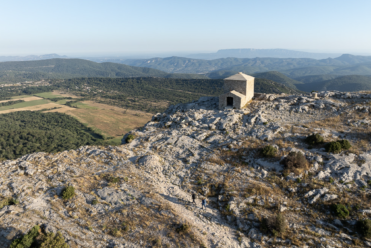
238	90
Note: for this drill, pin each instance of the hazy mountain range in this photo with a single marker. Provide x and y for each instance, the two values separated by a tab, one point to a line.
72	68
262	53
346	72
30	57
343	65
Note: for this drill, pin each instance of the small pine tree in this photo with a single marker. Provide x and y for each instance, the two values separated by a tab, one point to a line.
130	138
340	210
334	147
68	192
314	139
269	151
27	240
364	227
345	144
54	241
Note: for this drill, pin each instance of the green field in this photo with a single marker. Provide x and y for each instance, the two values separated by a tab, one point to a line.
82	105
22	96
48	95
63	101
25	104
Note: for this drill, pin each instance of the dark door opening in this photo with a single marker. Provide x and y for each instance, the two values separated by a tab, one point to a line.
230	101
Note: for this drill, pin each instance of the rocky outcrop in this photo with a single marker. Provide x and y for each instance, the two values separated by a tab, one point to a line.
139	194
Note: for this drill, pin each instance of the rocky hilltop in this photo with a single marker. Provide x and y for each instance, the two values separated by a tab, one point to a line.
266	183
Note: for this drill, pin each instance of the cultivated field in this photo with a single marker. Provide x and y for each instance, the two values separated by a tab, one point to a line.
108	120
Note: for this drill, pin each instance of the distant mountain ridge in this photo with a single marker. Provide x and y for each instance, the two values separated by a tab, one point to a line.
304	74
343	83
71	68
261	53
31	57
255	65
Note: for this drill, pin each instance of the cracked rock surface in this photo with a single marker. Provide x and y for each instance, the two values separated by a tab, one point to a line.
139	194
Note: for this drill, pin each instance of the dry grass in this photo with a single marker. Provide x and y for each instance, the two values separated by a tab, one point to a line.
26	99
112	121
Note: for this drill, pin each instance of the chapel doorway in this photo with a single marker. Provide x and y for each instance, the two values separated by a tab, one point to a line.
230	101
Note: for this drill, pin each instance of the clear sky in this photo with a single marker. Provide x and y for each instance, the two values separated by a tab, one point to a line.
120	27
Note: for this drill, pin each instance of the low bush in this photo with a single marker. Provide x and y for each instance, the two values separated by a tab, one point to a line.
314	139
345	144
275	225
364	228
334	147
36	239
183	228
269	151
8	201
130	138
94	202
337	146
27	239
68	192
295	162
111	179
52	240
340	210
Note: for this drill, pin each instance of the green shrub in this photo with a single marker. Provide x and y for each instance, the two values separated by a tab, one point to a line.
331	180
269	151
113	179
27	240
314	139
337	146
340	210
183	228
345	144
130	138
54	241
334	147
295	161
4	202
8	201
94	202
68	192
276	224
364	228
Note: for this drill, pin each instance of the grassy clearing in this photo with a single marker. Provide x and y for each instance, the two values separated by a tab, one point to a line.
115	141
20	97
48	95
83	105
110	121
25	104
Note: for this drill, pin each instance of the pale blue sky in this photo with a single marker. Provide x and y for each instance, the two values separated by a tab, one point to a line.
120	27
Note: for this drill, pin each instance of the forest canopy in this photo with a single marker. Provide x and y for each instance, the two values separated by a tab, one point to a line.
27	132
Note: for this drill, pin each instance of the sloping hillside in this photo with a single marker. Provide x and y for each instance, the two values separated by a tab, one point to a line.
255	65
279	78
343	83
264	183
72	68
